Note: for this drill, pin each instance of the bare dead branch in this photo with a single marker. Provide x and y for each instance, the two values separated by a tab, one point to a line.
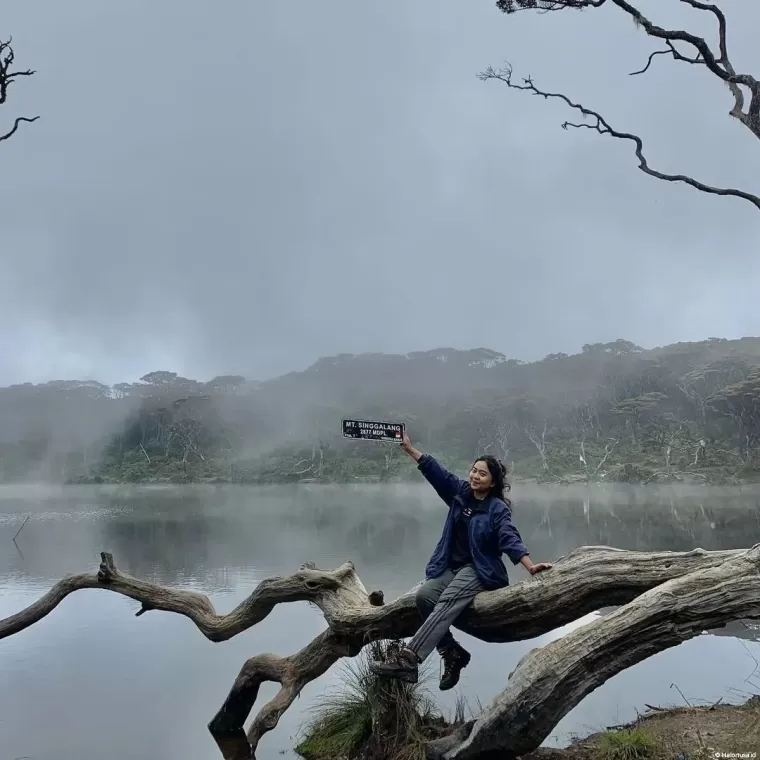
722	25
600	125
718	63
293	673
7	78
7	58
306	585
608	449
539	443
14	129
710	60
673	53
649	62
142	448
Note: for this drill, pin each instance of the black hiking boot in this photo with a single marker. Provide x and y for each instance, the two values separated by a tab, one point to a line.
455	659
401	663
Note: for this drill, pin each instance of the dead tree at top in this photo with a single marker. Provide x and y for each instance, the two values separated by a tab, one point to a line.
8	77
679	45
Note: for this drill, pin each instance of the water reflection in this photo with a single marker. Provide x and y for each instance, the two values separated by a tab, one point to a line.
224	540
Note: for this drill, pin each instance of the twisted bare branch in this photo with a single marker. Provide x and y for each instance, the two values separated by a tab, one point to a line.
7	78
12	131
293	673
718	63
308	584
599	124
673	53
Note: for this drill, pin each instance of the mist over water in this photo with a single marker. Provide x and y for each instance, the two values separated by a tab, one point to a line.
92	679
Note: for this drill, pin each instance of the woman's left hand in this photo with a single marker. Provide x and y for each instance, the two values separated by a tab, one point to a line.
538	567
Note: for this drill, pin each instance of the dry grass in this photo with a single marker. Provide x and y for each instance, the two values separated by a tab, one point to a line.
373	718
627	744
690	733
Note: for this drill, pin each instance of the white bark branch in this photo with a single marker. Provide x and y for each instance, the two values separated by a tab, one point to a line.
550	681
539	443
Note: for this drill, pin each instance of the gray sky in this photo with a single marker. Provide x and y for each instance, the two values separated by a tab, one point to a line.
216	187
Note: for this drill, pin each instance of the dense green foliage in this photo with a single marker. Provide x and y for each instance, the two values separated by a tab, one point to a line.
612	412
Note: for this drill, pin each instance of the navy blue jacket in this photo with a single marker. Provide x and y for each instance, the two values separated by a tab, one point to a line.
492	533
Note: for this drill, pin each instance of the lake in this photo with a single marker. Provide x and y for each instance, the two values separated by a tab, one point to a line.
92	680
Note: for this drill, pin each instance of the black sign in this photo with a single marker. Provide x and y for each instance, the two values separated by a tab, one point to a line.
366	430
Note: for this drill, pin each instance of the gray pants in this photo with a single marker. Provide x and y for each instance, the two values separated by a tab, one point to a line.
440	602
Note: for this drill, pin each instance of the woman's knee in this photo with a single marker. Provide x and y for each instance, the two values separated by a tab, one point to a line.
426	597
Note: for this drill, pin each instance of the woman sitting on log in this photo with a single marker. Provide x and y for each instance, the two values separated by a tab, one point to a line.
466	561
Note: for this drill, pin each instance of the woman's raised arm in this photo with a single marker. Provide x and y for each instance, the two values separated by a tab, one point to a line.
406	446
446	484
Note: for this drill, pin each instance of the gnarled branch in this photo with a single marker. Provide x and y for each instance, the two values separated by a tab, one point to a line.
12	131
550	681
673	53
583	581
599	124
7	78
719	64
330	590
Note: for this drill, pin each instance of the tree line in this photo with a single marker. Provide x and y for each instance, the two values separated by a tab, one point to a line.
614	411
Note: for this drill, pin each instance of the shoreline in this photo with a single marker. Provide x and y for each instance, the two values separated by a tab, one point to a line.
723	731
517	484
728	730
570	479
369	718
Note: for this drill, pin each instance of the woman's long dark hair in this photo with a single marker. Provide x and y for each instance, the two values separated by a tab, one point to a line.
500	486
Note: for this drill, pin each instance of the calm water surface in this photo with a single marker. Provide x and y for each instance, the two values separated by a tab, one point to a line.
92	680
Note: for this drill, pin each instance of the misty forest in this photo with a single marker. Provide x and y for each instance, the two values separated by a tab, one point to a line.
654	450
614	412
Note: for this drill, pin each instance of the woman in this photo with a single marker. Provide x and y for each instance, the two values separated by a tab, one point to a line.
466	561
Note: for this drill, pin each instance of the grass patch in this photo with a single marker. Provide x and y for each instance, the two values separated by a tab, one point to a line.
372	718
627	744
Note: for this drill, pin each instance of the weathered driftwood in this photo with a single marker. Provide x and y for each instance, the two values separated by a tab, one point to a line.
549	681
581	582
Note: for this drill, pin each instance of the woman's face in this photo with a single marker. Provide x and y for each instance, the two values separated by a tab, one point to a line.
480	478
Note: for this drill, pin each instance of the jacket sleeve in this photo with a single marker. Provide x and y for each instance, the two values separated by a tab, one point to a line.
446	484
510	541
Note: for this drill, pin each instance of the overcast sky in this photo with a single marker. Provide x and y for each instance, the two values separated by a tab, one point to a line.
245	186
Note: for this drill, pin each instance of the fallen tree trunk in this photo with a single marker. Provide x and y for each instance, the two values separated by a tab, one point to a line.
579	583
551	680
